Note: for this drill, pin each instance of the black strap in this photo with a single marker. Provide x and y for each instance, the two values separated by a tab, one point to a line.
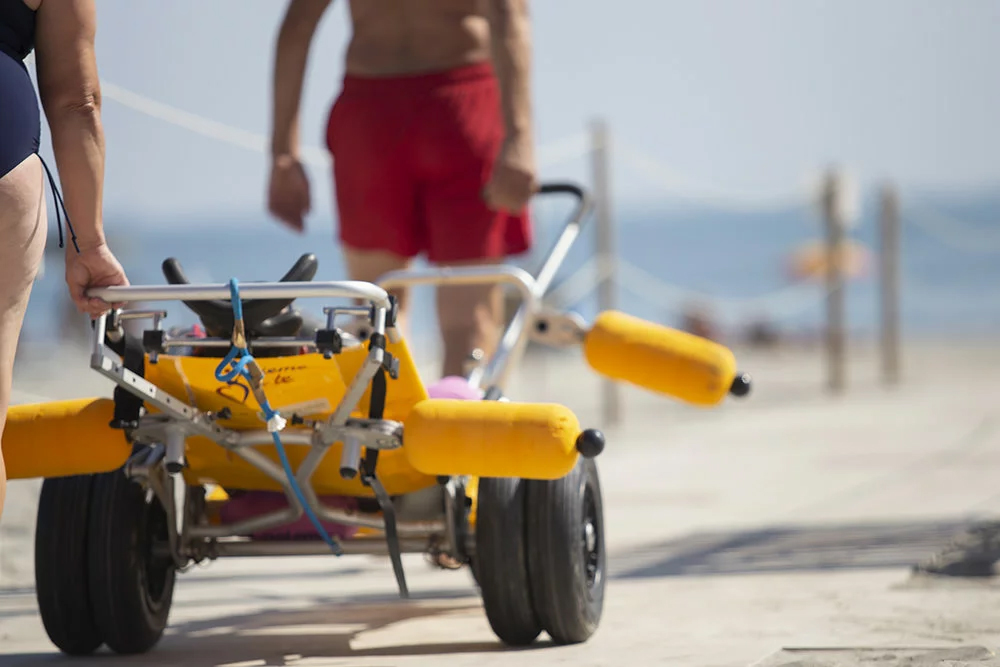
128	406
376	406
391	534
376	410
57	197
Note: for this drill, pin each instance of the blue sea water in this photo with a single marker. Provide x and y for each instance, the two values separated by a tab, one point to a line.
731	258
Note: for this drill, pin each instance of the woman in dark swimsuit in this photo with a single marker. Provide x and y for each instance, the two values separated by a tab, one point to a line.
61	32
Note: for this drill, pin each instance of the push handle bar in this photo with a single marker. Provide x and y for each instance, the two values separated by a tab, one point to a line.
584	205
554	259
346	289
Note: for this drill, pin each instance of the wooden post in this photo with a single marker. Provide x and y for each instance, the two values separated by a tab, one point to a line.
611	408
889	281
833	217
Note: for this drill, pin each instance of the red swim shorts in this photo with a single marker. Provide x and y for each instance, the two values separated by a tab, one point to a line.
411	157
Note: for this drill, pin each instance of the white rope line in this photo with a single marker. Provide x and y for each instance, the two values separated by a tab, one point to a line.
949	230
786	302
579	285
783	303
954	232
201	125
548	155
680	186
562	150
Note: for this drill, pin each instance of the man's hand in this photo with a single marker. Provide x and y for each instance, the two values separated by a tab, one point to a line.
513	181
288	193
93	267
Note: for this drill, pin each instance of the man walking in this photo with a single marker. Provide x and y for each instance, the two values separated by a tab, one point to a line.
432	145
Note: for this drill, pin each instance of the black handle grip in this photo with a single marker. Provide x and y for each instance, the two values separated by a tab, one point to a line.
566	188
584	201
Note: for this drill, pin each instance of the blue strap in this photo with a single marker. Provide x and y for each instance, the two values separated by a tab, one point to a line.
239	368
239	357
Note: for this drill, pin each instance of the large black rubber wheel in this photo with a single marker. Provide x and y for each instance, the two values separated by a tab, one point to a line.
567	560
132	587
500	561
61	583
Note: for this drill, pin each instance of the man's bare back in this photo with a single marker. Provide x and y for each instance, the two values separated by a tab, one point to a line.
393	37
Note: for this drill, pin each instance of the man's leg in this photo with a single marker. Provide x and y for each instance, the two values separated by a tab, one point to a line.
470	318
370	265
459	141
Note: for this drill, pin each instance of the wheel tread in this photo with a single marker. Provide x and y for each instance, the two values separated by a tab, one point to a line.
61	583
127	625
501	561
555	561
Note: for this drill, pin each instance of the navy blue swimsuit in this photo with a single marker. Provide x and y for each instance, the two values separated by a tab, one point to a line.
20	126
20	120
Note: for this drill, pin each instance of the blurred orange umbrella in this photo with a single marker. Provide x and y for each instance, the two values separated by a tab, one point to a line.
810	260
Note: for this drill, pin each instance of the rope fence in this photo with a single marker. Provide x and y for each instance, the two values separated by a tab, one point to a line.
637	281
779	305
806	201
959	234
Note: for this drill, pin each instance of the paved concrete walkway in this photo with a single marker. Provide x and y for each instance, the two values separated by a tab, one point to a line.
779	531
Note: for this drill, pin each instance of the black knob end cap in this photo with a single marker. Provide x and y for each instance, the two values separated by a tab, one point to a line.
741	385
590	443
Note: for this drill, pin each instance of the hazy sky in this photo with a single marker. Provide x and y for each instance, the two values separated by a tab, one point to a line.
742	95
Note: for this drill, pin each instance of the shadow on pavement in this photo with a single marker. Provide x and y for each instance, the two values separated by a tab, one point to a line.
319	628
859	657
790	549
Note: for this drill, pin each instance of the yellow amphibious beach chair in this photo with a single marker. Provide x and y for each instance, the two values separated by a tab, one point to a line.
266	436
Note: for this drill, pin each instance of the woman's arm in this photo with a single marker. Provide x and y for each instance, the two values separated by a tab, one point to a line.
70	93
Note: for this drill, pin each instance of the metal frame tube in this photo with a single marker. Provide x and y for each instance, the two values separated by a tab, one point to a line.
330	514
356	546
263	522
345	289
515	339
261	437
515	336
282	341
127	315
340	416
463	275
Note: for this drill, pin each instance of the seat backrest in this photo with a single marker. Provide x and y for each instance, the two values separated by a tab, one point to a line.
217	315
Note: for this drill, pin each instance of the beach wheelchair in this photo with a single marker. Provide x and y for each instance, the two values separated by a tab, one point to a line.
271	433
